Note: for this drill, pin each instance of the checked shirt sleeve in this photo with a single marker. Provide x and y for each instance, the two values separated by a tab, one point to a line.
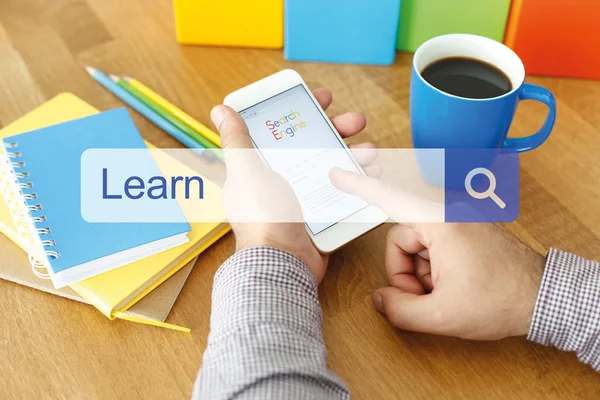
567	312
266	338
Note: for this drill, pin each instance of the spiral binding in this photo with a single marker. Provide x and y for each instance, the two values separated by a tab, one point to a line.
21	205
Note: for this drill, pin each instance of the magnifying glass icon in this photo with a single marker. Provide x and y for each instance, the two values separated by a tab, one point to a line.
490	192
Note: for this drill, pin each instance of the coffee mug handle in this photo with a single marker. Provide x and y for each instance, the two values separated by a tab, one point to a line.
543	95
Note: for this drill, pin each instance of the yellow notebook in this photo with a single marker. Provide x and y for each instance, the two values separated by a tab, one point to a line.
115	291
15	267
239	23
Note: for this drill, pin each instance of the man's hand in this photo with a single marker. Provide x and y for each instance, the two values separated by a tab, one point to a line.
474	281
253	192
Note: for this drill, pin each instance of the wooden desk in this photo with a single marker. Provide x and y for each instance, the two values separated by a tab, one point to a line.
55	348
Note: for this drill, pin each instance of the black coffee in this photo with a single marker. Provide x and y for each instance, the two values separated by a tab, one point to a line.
467	77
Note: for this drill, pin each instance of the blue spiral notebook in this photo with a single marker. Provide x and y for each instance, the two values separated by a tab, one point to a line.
43	168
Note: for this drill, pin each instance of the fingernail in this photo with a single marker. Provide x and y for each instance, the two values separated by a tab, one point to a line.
217	115
378	302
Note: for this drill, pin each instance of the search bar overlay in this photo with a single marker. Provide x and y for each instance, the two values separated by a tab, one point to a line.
316	186
481	185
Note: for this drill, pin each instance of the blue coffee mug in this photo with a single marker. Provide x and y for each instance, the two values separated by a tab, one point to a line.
442	120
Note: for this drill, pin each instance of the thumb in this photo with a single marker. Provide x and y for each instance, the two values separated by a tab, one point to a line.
408	311
235	139
232	128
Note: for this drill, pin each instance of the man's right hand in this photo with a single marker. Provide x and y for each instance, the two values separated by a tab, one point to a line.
474	281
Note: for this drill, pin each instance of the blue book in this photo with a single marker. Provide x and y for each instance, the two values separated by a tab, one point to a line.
45	167
341	31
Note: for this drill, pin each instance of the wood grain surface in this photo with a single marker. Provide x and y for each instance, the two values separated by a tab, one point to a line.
55	348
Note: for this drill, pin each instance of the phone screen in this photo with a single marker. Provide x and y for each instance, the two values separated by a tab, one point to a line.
291	120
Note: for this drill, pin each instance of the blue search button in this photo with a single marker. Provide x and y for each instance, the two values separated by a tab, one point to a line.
481	185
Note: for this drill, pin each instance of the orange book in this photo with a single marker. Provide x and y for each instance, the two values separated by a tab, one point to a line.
556	37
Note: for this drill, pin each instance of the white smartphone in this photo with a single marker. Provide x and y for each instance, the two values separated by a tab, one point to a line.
281	112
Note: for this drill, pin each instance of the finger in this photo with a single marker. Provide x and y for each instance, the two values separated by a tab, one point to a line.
399	205
232	128
373	170
235	140
364	153
408	311
349	124
402	243
371	190
423	272
324	97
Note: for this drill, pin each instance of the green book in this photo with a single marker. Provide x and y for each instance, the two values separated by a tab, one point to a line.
421	20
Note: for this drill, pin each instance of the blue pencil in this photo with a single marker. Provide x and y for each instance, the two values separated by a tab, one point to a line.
143	109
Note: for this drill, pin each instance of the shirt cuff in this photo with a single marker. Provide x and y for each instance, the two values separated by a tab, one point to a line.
265	285
567	311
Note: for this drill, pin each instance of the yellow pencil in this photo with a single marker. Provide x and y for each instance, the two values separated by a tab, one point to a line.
176	112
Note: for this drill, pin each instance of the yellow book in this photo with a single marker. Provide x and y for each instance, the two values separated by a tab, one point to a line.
240	23
115	291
